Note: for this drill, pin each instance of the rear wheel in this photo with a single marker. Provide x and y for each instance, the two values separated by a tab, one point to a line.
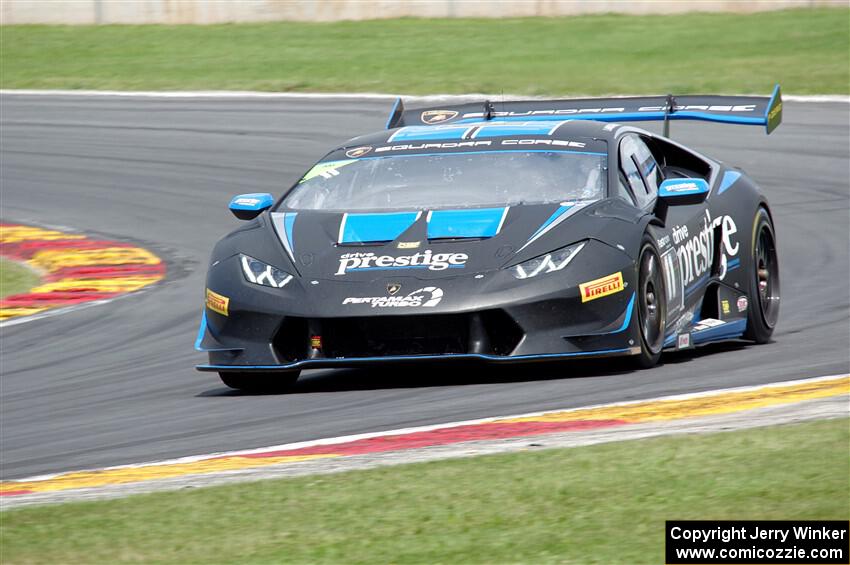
652	305
764	281
260	382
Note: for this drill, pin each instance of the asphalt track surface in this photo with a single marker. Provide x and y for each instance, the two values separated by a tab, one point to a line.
114	383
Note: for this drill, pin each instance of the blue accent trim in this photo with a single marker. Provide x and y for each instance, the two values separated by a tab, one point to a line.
397	358
201	331
770	105
392	112
479	222
499	130
444	153
729	330
673	188
637	117
364	228
288	225
733	264
729	178
694	286
555	215
428	133
253	201
628	319
669	340
695	317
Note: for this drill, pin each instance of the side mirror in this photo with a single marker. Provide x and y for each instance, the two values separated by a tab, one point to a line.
249	206
679	192
683	191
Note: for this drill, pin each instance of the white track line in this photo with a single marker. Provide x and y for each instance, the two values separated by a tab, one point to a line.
236	94
401	431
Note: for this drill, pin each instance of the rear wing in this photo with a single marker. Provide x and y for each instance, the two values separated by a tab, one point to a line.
747	110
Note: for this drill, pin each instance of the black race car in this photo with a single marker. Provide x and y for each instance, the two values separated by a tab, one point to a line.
506	232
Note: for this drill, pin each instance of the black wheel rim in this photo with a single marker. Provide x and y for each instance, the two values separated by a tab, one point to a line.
767	276
652	305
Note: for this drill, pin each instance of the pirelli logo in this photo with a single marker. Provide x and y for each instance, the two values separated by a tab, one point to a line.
217	302
601	287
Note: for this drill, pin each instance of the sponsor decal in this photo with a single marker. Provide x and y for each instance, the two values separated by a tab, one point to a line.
427	297
742	304
246	201
358	151
350	262
776	110
682	187
217	303
708	323
598	288
507	143
696	254
552	142
724	305
431	117
393	288
664	241
328	169
316	341
683	341
673	281
408	244
420	146
615	110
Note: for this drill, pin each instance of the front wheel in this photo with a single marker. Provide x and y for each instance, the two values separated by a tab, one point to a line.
764	281
652	305
260	382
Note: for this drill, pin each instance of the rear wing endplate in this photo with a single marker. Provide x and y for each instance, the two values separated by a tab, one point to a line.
746	110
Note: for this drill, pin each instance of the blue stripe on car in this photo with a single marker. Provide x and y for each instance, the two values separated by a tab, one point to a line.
479	222
729	178
288	225
365	228
201	331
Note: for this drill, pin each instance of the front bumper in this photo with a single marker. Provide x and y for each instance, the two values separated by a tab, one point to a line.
485	317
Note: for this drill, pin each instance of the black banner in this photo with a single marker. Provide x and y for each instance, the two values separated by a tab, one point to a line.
694	542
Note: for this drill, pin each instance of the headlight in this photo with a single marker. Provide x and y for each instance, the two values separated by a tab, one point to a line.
259	273
551	262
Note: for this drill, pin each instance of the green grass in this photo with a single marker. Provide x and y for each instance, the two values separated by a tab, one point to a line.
604	504
807	51
15	278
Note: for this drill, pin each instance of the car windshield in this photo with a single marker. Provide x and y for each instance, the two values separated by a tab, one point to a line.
450	180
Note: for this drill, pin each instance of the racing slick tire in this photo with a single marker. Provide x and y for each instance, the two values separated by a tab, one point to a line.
764	281
651	305
260	382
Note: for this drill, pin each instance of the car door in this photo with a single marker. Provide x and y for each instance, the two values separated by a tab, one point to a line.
643	175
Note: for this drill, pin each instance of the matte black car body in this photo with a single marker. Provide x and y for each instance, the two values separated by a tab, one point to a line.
478	309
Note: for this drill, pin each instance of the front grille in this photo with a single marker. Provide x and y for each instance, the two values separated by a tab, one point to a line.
491	332
395	335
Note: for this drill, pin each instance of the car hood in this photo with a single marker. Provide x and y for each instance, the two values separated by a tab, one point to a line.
365	246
